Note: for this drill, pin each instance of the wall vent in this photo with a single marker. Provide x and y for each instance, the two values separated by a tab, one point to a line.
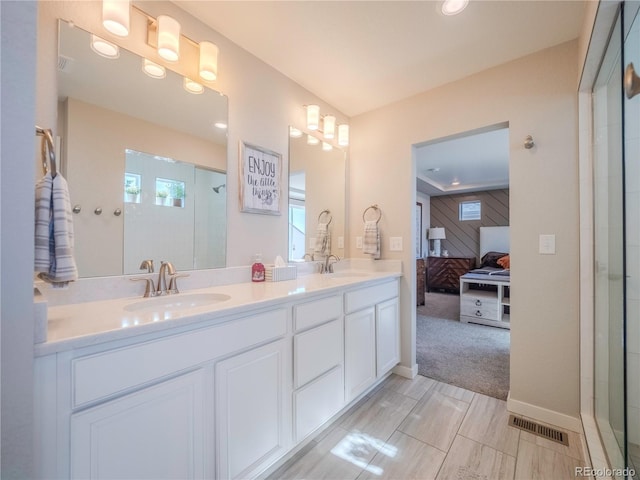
539	430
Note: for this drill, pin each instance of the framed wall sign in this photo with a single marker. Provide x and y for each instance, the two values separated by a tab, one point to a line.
260	180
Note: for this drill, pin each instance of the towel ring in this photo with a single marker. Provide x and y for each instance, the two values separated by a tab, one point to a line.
47	146
328	214
374	207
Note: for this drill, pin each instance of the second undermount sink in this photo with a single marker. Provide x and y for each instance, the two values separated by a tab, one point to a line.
177	302
347	275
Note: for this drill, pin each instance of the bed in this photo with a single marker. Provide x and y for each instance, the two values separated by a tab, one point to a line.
484	292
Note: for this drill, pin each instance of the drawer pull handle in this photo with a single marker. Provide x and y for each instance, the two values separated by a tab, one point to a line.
478	303
478	313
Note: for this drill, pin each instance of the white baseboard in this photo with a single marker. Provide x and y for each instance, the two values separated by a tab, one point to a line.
544	415
407	372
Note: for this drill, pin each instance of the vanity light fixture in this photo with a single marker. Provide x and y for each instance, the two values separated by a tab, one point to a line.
343	135
327	147
208	61
153	69
168	38
313	117
329	126
116	17
311	140
453	7
192	86
104	48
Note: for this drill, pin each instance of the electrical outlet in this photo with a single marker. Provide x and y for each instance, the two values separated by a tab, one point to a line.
358	242
395	244
547	244
340	242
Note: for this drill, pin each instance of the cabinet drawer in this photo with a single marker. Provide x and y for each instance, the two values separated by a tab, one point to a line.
488	312
318	402
105	374
307	315
317	351
470	302
368	296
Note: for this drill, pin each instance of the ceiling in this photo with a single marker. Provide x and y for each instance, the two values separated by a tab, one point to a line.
361	55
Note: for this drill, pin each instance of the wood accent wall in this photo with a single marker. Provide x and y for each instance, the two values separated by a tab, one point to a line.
463	238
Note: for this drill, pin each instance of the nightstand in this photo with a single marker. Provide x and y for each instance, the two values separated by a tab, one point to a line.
444	272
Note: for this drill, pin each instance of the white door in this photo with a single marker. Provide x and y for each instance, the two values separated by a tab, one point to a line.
387	336
158	432
253	410
359	351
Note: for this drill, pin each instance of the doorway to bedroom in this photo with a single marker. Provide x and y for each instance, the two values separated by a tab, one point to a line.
462	189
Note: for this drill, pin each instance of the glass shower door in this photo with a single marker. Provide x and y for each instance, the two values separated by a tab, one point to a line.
631	151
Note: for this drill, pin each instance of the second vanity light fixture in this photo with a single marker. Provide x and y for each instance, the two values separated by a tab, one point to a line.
164	34
328	124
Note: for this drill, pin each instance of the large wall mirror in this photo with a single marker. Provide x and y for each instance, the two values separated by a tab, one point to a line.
316	185
145	161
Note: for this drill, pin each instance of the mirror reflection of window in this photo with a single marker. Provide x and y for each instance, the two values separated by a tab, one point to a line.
132	188
297	215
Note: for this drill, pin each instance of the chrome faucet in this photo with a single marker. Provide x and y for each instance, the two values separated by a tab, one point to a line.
327	267
161	285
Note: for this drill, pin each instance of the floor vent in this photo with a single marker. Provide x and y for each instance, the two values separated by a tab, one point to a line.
540	430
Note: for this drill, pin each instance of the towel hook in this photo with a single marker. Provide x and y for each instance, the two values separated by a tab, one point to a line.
47	146
328	214
374	207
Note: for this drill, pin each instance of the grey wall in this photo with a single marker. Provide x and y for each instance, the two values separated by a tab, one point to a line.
463	238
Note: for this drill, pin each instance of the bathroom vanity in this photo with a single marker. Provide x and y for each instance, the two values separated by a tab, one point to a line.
190	389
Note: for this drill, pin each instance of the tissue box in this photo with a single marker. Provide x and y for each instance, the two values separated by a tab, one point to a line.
277	274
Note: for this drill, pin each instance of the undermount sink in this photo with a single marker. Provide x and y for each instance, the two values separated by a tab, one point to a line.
343	275
180	301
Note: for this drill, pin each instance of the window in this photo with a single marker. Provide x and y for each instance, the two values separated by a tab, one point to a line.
469	211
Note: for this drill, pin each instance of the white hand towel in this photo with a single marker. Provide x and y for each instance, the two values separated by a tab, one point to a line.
371	242
54	232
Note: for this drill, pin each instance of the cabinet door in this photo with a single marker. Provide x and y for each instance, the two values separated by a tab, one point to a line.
253	410
360	351
155	433
387	336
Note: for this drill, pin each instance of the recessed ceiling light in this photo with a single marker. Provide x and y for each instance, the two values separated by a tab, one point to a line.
220	125
455	182
436	169
453	7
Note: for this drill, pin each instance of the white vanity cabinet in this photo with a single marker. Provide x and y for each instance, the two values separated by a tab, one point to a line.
162	431
225	398
147	409
253	420
318	365
372	335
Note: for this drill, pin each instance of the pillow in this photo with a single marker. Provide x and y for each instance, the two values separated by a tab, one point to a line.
505	262
490	259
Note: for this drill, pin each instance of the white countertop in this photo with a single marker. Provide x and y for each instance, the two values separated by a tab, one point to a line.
83	324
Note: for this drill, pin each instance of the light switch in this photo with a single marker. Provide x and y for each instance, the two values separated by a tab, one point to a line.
340	242
547	244
395	244
358	242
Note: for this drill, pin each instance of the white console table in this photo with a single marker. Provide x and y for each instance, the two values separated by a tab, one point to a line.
485	300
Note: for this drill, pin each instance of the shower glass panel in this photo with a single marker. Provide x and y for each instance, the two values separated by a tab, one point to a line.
609	248
631	51
617	248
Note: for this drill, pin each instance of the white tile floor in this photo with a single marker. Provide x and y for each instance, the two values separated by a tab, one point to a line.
424	429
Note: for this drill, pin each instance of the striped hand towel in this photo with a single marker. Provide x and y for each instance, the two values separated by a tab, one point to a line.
323	240
371	242
54	259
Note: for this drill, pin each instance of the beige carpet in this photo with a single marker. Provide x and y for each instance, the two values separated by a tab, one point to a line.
475	357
